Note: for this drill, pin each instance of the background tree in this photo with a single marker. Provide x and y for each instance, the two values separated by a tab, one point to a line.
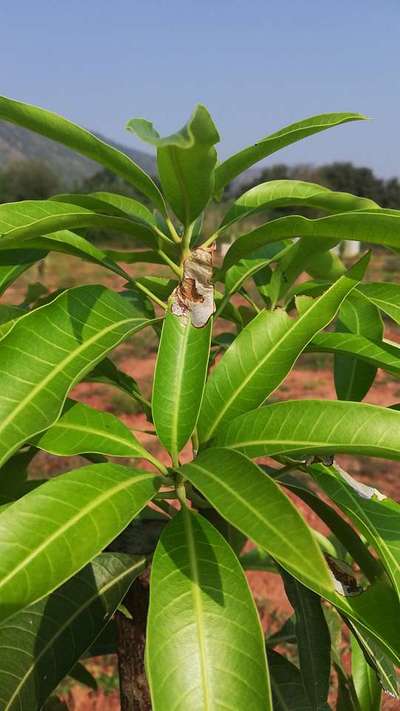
27	180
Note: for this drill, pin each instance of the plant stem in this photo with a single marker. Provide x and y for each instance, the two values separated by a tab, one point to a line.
210	240
249	300
159	465
172	230
134	690
150	294
161	235
171	264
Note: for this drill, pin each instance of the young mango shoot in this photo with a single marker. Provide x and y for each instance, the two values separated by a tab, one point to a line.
142	546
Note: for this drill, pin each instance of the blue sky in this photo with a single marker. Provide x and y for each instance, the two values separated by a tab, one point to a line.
256	65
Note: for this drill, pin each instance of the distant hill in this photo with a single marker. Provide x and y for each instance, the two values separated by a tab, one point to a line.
18	143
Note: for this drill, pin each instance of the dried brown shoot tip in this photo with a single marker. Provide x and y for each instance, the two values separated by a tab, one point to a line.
194	295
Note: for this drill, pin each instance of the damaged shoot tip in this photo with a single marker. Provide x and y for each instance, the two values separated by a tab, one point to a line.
194	296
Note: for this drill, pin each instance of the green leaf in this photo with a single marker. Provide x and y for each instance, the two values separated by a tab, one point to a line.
8	316
353	378
105	643
288	692
385	296
264	353
186	162
13	475
378	520
256	559
82	429
310	256
202	618
240	501
313	641
66	338
13	263
377	659
252	502
179	379
30	219
107	372
51	533
285	635
109	203
385	355
239	162
302	427
78	139
41	644
286	193
365	681
68	242
375	226
245	268
338	525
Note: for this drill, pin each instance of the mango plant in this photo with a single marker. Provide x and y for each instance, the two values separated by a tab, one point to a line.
204	505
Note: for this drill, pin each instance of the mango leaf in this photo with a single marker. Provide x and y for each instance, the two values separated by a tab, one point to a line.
377	659
385	355
313	641
41	644
30	219
264	353
107	372
159	286
236	164
179	379
202	617
78	139
285	635
347	536
375	226
240	491
8	317
286	193
82	429
141	255
51	533
68	242
245	268
105	643
13	263
66	337
186	162
303	427
13	475
245	505
311	256
256	559
288	693
353	378
378	520
365	680
385	296
109	203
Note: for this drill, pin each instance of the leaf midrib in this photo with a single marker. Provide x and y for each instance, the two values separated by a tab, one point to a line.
198	606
